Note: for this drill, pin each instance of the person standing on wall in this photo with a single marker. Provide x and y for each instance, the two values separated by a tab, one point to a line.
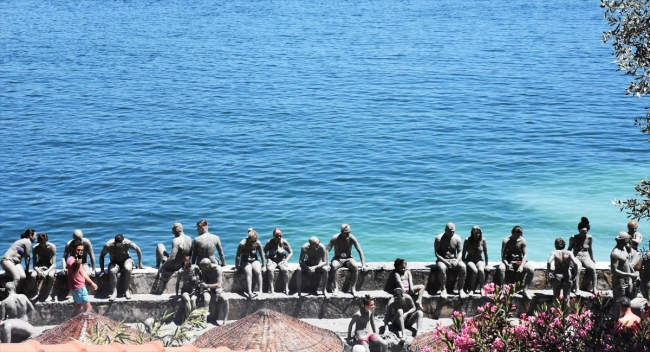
77	278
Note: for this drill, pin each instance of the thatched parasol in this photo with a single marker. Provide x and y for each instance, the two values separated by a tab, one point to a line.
426	339
78	327
270	331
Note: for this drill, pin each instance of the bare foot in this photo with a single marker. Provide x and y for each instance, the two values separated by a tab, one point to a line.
127	294
462	294
443	293
112	297
326	294
526	294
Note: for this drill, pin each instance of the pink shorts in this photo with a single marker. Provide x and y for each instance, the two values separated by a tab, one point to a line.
370	337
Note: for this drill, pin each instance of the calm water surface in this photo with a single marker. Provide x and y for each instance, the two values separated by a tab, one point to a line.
394	117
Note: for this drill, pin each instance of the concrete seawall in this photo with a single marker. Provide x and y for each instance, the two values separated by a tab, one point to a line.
153	294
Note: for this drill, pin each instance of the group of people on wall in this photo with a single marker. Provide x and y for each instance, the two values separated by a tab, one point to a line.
469	258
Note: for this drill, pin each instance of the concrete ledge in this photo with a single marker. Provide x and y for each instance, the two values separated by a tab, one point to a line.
376	277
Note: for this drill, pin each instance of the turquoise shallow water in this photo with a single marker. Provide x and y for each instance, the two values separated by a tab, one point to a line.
127	116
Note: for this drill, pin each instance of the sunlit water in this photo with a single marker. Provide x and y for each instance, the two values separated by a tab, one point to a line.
394	117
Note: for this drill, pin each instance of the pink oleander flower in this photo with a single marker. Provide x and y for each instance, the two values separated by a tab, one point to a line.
493	309
426	349
489	288
498	345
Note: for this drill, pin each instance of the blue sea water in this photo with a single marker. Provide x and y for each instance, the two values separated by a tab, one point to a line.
393	116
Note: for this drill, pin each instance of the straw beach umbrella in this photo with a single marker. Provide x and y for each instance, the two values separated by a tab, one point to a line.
78	328
270	331
426	339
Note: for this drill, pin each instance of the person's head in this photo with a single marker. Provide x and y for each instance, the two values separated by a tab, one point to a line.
400	264
187	262
368	303
202	227
313	242
450	229
622	239
583	226
10	287
42	238
476	233
517	231
77	246
29	233
119	240
252	236
398	293
559	243
177	229
277	234
345	230
632	226
77	234
624	303
204	264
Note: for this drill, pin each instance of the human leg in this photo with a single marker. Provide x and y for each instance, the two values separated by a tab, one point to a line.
399	320
223	301
301	267
270	271
377	340
416	318
480	267
257	271
15	272
49	282
442	278
113	270
161	254
590	272
472	272
248	270
128	270
284	271
354	275
334	273
419	290
462	274
324	270
528	273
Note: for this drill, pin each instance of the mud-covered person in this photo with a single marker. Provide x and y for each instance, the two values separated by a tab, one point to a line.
44	254
247	261
181	248
447	248
474	250
278	252
314	258
118	251
514	258
342	243
77	278
14	255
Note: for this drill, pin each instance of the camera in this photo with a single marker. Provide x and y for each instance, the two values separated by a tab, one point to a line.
79	256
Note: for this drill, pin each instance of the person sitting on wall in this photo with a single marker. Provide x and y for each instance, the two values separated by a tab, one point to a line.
118	251
402	278
561	269
401	312
14	255
363	322
474	248
247	261
45	264
188	280
206	244
278	252
343	243
213	294
181	248
313	259
581	244
447	248
514	258
69	250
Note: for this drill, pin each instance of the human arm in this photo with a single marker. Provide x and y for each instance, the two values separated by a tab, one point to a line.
240	248
52	260
86	277
353	321
570	248
289	251
591	252
397	279
180	276
325	258
261	251
66	254
193	252
503	254
137	250
35	255
356	245
463	254
549	263
389	311
28	256
372	322
222	257
101	257
524	255
436	247
92	258
485	251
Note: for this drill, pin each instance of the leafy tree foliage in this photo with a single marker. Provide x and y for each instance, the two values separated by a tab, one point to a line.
630	36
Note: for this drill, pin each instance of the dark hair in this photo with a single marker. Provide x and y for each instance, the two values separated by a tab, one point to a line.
42	237
119	238
559	243
274	230
584	222
202	223
476	229
28	233
76	243
366	300
624	302
398	263
517	228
